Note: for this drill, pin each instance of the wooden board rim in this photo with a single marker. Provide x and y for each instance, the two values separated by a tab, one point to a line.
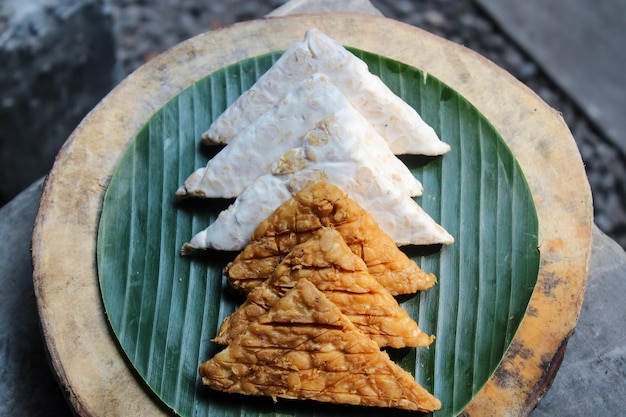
83	352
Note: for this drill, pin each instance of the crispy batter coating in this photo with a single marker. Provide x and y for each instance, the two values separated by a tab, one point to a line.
333	268
324	205
305	348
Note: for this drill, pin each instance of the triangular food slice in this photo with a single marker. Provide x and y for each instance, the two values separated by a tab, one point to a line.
251	153
345	151
327	262
394	119
315	206
304	348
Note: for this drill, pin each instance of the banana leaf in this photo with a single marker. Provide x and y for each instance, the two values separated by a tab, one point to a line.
164	309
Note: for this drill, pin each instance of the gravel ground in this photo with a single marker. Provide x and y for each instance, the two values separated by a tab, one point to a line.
145	28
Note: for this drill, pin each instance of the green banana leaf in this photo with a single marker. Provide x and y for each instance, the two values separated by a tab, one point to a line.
164	308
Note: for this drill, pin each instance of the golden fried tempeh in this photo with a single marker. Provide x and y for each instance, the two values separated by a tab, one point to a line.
315	206
305	348
328	263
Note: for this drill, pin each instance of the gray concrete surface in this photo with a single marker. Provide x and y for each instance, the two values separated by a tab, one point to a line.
57	60
27	385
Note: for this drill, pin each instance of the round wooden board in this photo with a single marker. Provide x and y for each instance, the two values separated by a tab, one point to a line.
83	350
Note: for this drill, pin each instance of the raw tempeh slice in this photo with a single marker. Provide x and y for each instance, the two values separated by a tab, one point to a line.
251	153
330	265
323	205
394	119
343	151
305	348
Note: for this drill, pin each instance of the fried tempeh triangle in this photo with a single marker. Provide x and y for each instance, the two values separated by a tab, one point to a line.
400	125
315	206
327	262
305	348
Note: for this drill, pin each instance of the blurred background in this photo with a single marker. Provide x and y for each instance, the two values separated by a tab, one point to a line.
58	58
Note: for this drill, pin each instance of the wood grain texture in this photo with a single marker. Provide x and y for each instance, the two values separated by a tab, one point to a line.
82	349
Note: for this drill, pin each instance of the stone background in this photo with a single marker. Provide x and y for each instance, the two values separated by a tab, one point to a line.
57	60
51	81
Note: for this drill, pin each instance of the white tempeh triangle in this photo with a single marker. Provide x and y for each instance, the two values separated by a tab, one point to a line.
252	152
400	125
